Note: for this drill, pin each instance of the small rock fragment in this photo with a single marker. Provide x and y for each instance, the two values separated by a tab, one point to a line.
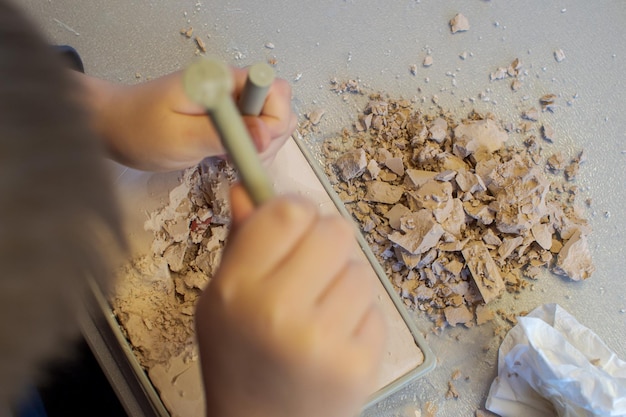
531	114
395	214
499	74
351	164
382	192
474	137
315	116
421	232
438	130
559	55
543	235
459	23
395	165
458	315
415	178
200	44
484	271
373	169
484	315
547	132
428	61
187	32
574	259
452	392
547	102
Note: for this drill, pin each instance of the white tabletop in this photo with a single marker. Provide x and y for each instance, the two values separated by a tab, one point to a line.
377	42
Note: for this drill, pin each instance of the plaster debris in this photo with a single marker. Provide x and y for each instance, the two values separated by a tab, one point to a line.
349	86
484	271
155	295
269	45
547	102
574	259
455	214
559	55
430	409
531	114
187	33
201	44
351	164
547	132
514	70
315	117
452	392
459	23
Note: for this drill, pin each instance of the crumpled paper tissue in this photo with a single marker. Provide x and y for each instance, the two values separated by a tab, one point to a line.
549	364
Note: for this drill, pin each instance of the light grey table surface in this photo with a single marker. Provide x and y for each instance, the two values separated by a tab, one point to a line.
376	42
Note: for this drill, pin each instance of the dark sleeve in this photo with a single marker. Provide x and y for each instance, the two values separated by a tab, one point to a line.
71	57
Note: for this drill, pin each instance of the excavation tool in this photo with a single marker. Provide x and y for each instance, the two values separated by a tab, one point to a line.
209	83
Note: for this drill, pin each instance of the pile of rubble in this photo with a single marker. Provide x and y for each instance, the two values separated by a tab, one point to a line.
156	293
454	215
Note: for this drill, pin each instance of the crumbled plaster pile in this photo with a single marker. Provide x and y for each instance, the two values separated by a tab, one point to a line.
156	293
455	216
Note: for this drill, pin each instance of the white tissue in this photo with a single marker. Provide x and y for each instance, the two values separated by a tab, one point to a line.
549	364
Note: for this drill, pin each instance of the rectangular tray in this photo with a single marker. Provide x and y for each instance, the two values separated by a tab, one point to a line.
294	169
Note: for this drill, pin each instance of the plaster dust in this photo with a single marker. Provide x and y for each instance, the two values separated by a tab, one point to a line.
155	297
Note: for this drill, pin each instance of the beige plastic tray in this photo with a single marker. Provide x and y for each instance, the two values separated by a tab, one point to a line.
293	171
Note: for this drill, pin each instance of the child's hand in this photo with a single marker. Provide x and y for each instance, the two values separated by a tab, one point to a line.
288	327
153	126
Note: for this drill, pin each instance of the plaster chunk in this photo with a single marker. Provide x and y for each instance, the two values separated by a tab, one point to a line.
351	164
447	175
424	293
482	135
490	238
421	232
480	212
455	221
574	259
175	256
509	244
484	270
415	178
373	169
438	130
382	192
459	23
454	267
395	214
469	182
395	165
451	162
543	235
178	229
435	196
408	259
484	315
458	315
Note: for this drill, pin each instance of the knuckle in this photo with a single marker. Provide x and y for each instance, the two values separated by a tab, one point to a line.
283	87
290	210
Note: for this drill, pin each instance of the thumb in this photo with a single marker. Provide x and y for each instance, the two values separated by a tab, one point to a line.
241	206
